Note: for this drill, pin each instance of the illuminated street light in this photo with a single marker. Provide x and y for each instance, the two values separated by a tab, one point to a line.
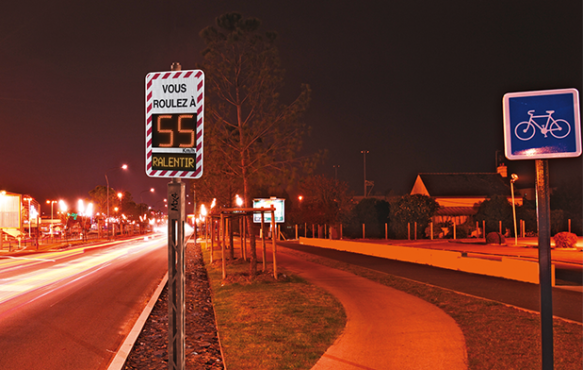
81	207
123	167
89	210
151	190
51	202
238	200
63	206
120	195
513	179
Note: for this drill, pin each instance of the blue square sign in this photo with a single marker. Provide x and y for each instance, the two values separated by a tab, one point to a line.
542	124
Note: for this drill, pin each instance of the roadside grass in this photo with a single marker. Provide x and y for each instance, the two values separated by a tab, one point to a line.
497	336
272	324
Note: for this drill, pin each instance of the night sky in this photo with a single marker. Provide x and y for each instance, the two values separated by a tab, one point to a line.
418	84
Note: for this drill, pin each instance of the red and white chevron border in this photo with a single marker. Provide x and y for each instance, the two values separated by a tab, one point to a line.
198	75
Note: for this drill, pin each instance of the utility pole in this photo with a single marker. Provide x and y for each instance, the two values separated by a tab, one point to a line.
336	171
364	152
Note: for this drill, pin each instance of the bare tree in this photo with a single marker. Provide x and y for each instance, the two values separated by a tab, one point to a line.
253	138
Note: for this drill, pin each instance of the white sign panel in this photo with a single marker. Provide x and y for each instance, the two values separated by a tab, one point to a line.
267	203
174	124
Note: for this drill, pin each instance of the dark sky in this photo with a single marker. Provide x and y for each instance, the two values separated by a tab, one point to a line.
418	84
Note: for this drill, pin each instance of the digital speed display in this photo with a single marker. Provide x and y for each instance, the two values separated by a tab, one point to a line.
174	124
174	142
173	130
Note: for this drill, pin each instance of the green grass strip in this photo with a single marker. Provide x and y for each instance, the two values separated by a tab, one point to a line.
269	324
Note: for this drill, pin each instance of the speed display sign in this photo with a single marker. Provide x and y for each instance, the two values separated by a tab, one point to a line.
174	124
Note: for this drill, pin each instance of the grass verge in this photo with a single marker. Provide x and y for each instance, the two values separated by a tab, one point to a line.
288	324
269	324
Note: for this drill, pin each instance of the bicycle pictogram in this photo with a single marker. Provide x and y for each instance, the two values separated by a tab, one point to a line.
558	128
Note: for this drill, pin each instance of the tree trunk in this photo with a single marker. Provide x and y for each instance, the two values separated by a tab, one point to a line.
232	250
253	259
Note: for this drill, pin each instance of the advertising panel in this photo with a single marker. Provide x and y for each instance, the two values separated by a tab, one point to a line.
9	211
266	203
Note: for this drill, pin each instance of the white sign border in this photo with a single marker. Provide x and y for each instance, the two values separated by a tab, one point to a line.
508	127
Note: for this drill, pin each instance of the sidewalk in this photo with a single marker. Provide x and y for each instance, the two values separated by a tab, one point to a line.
386	328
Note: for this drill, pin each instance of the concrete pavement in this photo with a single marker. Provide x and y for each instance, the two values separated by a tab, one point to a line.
386	328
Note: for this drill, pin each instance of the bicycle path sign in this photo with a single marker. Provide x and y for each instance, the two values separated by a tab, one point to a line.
542	124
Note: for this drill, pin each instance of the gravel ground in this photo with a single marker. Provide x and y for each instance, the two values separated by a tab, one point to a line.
202	346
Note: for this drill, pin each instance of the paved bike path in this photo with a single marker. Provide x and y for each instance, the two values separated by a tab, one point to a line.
386	328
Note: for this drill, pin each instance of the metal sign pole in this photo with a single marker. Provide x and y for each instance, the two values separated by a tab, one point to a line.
176	306
544	256
273	243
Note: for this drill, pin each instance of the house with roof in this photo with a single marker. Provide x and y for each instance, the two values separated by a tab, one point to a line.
460	194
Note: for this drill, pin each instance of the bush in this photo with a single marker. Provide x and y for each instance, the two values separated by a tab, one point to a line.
495	238
565	240
409	209
462	231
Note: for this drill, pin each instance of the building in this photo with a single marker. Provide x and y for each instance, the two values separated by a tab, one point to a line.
460	194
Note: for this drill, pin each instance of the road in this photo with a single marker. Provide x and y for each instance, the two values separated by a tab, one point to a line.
567	304
72	309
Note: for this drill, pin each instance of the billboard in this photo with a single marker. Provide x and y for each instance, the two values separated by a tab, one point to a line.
267	203
9	211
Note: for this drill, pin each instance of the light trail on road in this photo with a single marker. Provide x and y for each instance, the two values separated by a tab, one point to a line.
72	309
23	283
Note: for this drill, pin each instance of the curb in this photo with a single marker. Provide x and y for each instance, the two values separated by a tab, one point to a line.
125	349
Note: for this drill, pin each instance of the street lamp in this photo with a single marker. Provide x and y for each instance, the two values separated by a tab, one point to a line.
151	190
364	152
29	199
123	167
51	202
63	206
513	179
81	215
203	214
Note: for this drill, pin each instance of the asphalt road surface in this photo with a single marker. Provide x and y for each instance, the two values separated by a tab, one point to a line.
73	309
567	304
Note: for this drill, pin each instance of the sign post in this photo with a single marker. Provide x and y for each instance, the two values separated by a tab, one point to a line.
174	138
176	264
540	125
